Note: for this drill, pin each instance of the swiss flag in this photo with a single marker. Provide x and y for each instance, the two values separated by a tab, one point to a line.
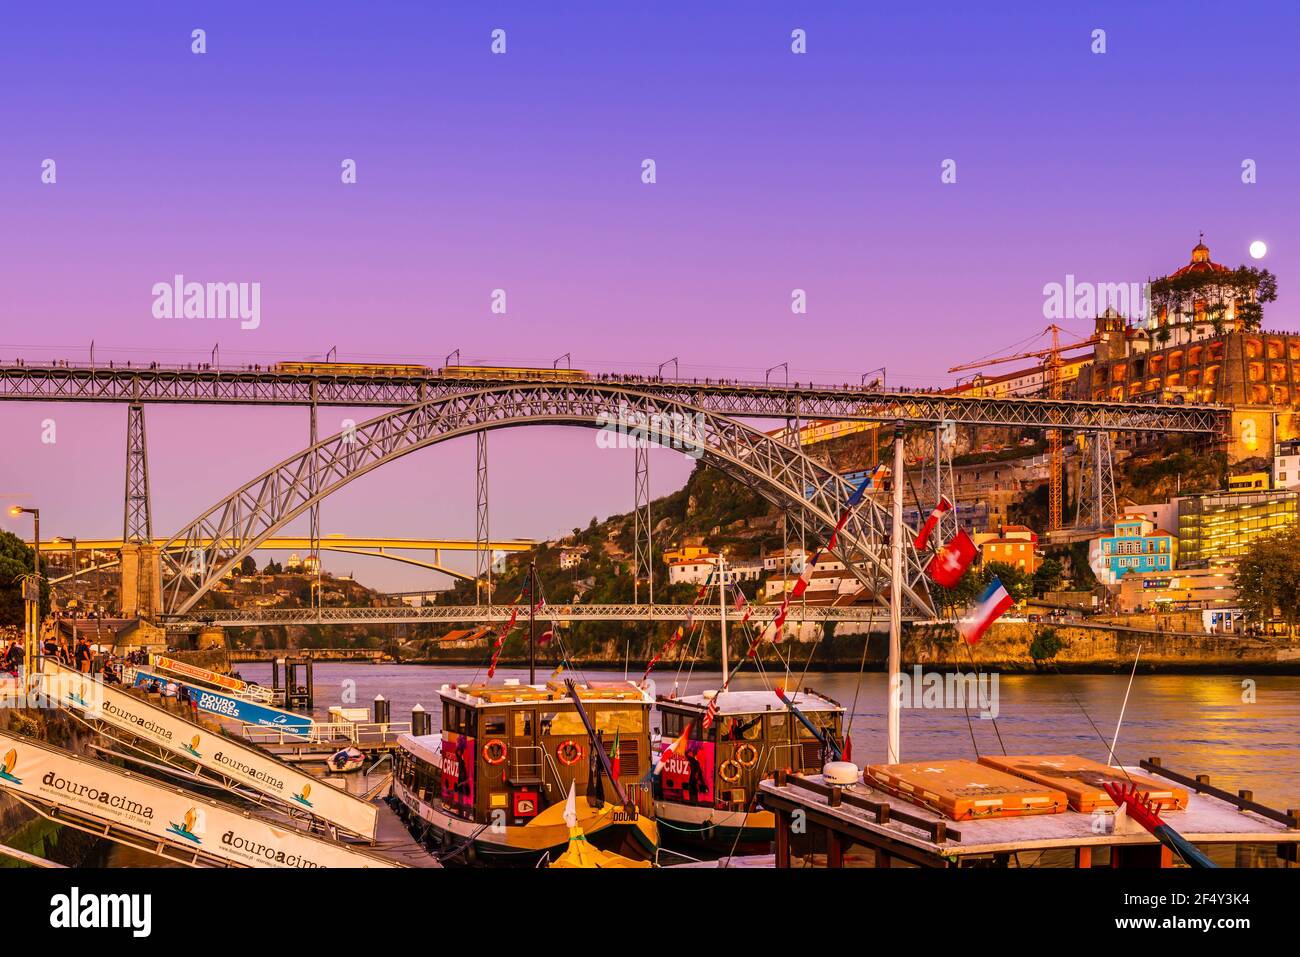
951	561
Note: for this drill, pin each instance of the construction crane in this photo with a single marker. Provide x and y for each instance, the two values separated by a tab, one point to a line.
1051	360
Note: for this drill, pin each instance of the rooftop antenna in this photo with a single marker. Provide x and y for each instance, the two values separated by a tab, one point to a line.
767	376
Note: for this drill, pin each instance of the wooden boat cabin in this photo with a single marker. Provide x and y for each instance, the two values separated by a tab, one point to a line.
706	791
493	784
1022	811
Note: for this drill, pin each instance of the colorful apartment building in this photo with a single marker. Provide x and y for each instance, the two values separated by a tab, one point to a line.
1136	546
1014	545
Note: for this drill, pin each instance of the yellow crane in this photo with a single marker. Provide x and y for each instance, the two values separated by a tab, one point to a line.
1051	363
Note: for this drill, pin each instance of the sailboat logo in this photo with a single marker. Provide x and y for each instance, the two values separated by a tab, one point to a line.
186	829
193	746
6	771
78	697
302	798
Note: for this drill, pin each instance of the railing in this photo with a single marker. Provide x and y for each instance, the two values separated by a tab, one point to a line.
344	732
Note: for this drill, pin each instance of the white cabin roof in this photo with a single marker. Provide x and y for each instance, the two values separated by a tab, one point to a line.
757	702
426	747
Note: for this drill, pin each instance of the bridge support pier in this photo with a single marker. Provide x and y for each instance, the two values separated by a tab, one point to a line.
642	541
137	520
1096	507
482	525
141	591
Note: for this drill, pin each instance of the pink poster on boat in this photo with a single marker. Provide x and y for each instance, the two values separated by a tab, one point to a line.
689	777
457	771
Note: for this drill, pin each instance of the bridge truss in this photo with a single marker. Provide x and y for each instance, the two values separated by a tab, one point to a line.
203	552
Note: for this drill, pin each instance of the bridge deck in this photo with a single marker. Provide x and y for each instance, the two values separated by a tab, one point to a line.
71	383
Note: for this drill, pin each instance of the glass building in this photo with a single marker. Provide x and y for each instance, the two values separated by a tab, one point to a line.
1220	526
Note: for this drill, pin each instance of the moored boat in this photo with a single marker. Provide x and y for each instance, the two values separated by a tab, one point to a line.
706	790
492	786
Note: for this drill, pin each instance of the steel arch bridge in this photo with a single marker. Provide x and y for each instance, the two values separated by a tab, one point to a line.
200	554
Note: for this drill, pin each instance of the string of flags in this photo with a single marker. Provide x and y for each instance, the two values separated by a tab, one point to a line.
947	566
509	626
806	573
689	623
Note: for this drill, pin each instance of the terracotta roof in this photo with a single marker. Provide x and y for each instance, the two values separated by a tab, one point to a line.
1200	263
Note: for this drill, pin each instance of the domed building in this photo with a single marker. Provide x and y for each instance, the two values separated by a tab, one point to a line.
1191	306
1199	347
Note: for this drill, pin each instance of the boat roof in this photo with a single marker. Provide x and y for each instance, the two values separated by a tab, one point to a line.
754	702
512	692
1206	820
426	747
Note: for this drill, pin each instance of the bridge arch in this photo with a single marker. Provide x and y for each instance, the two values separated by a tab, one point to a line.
200	554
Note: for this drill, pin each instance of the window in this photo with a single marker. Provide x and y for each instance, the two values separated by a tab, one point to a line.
562	723
523	724
494	723
622	720
742	727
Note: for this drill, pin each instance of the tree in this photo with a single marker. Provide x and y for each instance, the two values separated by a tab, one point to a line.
1048	577
1045	645
16	559
248	566
272	567
1268	578
1016	582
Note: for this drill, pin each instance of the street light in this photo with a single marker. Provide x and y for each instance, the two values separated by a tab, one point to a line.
73	542
36	533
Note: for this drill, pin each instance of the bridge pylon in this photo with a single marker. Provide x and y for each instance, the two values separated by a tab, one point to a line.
141	589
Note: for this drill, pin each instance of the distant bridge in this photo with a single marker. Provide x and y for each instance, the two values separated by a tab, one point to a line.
491	614
369	546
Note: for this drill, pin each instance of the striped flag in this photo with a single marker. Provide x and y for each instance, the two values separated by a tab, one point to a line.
923	536
711	712
987	609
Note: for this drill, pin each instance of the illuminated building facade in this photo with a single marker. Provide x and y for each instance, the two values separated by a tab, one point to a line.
1220	526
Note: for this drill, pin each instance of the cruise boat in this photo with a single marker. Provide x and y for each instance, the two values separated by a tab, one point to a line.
706	790
492	787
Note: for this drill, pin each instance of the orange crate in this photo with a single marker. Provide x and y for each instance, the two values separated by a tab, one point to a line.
1082	779
964	790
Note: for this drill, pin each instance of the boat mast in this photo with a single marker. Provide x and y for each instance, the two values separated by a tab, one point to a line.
895	597
722	610
532	622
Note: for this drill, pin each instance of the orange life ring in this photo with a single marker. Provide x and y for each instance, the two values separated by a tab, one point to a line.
571	748
491	748
730	776
746	754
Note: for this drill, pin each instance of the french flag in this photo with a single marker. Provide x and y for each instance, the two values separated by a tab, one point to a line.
987	609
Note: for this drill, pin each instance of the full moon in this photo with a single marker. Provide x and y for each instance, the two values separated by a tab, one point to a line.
1258	249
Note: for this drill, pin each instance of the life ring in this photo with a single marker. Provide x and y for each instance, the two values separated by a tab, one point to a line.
494	752
746	754
730	776
570	747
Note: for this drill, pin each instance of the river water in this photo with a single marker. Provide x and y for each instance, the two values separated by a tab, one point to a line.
1243	737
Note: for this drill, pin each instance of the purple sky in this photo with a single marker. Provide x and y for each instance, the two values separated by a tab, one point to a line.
522	172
